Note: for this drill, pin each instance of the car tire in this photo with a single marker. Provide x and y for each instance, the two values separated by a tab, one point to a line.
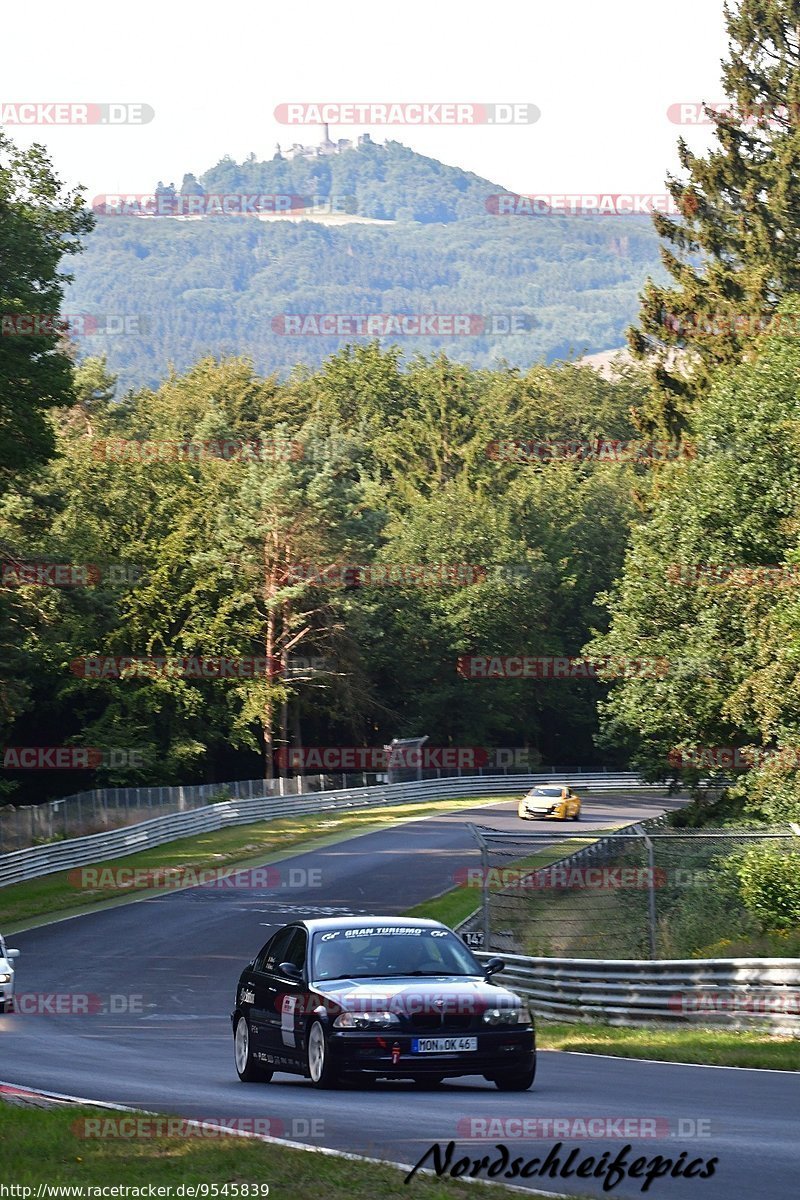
248	1070
516	1082
6	1006
321	1070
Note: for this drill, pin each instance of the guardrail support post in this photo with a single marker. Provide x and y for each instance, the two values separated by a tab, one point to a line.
651	891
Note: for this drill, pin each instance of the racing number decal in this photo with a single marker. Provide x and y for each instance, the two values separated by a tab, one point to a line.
287	1020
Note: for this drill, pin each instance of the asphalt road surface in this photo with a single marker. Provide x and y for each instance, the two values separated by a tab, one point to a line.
159	976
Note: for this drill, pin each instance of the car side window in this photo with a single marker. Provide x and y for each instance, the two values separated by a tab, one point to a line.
295	953
259	958
274	952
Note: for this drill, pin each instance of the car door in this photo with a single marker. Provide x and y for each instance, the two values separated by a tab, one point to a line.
284	997
264	988
292	999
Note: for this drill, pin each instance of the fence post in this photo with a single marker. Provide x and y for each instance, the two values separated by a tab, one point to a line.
651	891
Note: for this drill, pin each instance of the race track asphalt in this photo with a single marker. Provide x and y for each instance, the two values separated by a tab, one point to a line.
168	966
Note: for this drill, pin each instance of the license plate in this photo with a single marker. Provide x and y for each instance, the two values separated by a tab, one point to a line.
444	1045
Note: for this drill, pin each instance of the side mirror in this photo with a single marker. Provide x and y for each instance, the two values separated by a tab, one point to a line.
12	954
290	971
492	967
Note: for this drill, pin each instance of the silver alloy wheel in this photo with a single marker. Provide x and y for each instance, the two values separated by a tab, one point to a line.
241	1045
316	1052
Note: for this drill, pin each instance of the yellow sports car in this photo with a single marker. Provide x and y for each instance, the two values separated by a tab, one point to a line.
550	800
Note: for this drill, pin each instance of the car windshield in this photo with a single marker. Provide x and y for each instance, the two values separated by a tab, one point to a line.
386	952
546	791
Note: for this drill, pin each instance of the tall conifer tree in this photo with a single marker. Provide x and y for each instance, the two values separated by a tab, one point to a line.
734	250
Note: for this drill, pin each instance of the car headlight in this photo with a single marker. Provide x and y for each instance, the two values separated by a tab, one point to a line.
519	1015
366	1020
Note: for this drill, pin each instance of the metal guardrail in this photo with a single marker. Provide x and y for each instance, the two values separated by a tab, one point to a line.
36	861
101	809
740	993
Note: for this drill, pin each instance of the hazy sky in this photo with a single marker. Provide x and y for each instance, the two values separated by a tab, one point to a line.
602	73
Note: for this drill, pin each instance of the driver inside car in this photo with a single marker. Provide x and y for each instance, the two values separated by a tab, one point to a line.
335	961
406	956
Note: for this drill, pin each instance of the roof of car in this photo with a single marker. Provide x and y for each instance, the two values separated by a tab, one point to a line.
362	922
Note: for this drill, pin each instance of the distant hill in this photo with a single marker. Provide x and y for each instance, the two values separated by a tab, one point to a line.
222	285
388	181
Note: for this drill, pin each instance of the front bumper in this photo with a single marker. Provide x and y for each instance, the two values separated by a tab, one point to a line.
512	1049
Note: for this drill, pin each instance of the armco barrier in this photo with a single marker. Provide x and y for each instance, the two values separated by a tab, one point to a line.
101	809
115	843
739	993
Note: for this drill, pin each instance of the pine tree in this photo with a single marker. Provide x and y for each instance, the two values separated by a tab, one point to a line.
735	248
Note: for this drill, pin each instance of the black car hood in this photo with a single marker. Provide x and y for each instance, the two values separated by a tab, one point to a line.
377	990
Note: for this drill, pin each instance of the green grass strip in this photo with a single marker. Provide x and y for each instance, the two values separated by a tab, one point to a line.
49	1146
707	1046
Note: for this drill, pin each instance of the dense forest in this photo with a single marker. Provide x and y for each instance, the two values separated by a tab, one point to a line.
201	508
220	284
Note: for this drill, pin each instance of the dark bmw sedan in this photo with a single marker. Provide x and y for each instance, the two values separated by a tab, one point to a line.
378	997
